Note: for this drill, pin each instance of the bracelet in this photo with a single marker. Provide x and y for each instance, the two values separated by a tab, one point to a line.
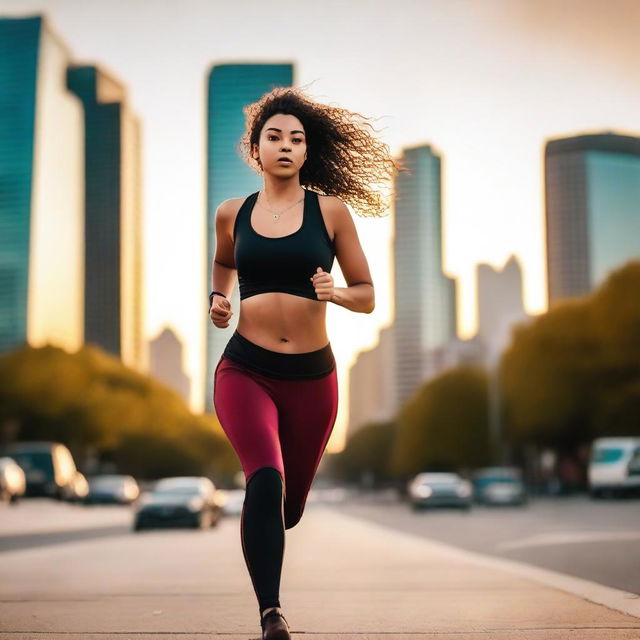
215	293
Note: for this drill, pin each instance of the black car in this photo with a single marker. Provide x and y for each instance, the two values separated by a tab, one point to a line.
183	501
48	467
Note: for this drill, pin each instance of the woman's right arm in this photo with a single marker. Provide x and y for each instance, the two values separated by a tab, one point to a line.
223	268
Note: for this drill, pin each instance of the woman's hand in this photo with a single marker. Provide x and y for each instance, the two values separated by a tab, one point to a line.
220	312
323	283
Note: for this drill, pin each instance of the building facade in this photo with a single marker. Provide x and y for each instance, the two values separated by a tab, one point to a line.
592	202
230	88
41	190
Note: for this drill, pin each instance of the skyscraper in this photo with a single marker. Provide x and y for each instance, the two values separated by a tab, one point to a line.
424	295
592	210
113	309
41	190
231	87
500	306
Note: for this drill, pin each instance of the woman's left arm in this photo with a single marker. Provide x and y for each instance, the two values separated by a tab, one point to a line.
359	293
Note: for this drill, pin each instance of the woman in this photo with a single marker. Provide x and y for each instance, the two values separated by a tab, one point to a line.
275	385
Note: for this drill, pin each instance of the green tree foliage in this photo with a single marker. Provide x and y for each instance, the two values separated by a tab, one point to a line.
366	451
445	424
573	374
89	399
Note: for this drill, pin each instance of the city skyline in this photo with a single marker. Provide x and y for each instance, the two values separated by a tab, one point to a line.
485	113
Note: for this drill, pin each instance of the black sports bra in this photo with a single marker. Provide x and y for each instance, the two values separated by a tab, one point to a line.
284	263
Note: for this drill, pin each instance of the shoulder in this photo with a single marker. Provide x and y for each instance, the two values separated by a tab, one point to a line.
228	208
334	207
336	212
227	212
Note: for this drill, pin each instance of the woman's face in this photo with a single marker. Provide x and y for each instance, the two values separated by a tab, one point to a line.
282	136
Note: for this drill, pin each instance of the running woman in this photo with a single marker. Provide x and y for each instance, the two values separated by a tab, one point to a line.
275	385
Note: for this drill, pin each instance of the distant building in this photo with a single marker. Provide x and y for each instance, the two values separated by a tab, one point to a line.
231	87
113	307
425	308
500	306
371	384
455	353
592	210
70	212
166	363
41	190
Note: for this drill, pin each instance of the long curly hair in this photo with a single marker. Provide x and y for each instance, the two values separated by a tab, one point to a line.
343	158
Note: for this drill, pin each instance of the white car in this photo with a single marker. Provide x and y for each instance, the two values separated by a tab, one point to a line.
232	501
12	480
614	467
440	489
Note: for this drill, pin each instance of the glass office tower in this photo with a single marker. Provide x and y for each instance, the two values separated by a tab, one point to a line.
592	210
41	190
230	88
424	295
113	216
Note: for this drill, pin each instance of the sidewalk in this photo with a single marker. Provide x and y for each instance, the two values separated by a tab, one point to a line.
342	578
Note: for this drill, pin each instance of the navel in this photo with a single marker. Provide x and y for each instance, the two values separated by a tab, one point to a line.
284	340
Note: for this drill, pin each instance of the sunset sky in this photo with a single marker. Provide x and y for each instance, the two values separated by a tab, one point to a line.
484	82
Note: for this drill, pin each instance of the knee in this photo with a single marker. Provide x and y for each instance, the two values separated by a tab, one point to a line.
265	485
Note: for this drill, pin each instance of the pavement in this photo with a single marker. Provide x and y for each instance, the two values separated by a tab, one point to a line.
342	578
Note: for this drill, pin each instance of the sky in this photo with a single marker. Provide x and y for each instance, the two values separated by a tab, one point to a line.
485	83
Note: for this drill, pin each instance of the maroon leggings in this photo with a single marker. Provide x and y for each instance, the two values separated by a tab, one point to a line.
278	411
277	423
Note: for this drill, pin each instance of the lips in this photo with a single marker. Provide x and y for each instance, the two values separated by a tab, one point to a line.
285	160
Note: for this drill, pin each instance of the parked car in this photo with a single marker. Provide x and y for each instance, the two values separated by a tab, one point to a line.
190	501
49	468
614	466
80	488
232	501
13	483
440	489
112	489
499	486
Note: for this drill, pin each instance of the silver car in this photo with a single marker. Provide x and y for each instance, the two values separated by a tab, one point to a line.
431	489
499	486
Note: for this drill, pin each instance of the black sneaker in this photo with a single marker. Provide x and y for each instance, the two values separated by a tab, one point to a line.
274	626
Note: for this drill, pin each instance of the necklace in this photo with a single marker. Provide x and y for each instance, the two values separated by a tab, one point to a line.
274	214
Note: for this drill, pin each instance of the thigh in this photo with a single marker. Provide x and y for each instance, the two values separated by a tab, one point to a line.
248	416
308	410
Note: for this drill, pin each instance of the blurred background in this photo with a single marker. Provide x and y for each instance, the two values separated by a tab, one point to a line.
501	365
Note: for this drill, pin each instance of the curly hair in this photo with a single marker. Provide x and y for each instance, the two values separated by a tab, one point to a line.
343	158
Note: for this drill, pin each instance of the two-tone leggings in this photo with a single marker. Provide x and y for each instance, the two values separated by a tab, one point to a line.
278	411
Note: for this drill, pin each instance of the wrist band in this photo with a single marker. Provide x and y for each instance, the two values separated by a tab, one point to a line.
215	293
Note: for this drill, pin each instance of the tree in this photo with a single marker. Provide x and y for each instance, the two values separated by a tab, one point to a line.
366	451
445	424
573	374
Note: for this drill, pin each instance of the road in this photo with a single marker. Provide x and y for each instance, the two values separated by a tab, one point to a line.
596	540
88	575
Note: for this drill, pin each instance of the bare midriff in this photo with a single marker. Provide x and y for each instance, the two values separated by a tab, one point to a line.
284	322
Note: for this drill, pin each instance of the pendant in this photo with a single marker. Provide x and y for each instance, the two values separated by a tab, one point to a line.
276	216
